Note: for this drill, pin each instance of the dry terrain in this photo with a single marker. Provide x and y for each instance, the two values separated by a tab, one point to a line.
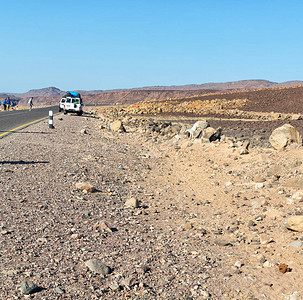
52	95
202	220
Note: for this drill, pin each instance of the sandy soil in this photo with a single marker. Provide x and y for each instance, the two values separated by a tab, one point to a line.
210	222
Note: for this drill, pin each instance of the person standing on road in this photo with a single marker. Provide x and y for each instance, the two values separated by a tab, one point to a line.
4	104
30	103
8	103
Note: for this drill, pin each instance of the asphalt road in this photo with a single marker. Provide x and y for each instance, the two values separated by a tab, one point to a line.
13	120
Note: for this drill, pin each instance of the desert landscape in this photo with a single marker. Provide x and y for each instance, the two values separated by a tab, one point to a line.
131	201
51	95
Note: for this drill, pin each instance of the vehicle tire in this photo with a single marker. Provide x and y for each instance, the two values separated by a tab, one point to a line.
79	113
65	112
60	109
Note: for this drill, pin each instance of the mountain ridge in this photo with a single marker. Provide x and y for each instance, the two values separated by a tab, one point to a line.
218	86
51	95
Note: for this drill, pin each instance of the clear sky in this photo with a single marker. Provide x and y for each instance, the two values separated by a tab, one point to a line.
112	44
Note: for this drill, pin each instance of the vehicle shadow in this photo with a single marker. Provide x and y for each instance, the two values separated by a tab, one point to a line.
22	162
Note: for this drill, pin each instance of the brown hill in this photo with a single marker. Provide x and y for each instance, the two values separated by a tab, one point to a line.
251	103
283	100
45	92
234	85
51	95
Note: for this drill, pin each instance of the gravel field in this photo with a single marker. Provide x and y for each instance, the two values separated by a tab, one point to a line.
194	229
48	227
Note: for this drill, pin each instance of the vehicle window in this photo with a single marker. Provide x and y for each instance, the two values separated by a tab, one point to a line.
68	100
63	101
76	101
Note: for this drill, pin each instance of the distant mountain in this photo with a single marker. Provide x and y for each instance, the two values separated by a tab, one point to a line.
216	86
51	95
47	92
241	84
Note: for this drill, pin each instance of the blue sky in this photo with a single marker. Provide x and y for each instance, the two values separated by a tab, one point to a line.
133	43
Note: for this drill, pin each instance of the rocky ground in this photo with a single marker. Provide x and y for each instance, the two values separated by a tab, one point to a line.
169	217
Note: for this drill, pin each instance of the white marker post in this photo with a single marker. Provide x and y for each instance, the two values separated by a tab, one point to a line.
50	120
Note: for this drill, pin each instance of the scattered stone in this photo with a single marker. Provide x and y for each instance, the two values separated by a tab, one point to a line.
187	226
245	144
238	264
103	226
265	239
205	295
86	186
289	201
42	240
97	266
262	258
117	126
132	202
128	282
268	264
145	269
296	244
28	287
259	179
255	204
283	136
294	223
222	243
244	151
10	272
83	131
259	185
294	296
283	268
210	134
251	223
114	286
59	291
298	195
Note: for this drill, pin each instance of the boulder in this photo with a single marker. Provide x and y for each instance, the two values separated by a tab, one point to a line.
284	136
117	126
132	202
210	134
86	186
28	287
202	124
98	267
103	226
295	223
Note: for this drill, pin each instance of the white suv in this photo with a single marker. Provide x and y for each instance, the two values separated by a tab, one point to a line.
71	102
